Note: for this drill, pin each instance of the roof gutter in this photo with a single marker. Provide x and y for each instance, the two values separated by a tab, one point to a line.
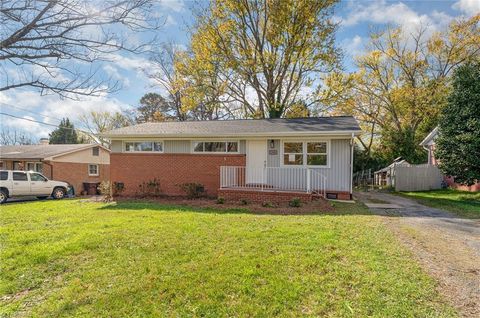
233	135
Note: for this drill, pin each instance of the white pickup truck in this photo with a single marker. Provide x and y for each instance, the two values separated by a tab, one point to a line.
28	183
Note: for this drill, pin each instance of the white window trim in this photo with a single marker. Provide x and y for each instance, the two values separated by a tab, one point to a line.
35	163
282	152
93	174
124	150
192	146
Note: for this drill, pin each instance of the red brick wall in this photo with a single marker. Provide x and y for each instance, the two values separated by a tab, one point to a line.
271	196
341	195
171	170
263	196
76	173
452	184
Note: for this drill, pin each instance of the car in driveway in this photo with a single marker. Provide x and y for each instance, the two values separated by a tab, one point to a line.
14	184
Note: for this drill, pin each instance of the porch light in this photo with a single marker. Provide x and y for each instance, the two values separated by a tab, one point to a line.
272	143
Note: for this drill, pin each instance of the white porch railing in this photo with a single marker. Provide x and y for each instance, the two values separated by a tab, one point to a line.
273	178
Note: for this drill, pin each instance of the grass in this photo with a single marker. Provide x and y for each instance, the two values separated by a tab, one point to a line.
82	259
462	203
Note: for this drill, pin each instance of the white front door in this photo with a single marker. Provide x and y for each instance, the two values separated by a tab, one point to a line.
256	161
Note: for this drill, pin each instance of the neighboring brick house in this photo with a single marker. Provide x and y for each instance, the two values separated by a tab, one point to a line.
73	163
256	159
429	145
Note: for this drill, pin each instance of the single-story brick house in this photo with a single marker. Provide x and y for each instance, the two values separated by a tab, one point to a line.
429	145
72	163
258	159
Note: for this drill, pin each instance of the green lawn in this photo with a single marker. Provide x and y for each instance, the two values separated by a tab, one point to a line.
465	204
77	259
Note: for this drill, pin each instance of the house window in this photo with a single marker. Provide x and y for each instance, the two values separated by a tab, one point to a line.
1	164
17	165
216	146
307	153
35	166
144	146
293	153
92	170
316	153
95	151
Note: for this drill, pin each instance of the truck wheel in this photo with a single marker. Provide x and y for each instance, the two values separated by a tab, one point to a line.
58	193
3	196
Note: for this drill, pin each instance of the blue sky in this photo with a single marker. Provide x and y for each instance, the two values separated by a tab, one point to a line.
356	19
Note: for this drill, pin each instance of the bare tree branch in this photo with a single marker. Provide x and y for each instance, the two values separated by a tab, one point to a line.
53	45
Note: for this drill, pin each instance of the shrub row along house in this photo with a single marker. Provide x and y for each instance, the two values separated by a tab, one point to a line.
72	163
257	159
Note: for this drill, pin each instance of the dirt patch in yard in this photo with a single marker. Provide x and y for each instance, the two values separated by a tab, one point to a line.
447	247
315	207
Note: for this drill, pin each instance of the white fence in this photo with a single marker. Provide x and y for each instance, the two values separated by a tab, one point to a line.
417	177
273	178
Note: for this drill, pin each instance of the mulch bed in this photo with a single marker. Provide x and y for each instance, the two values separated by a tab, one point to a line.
315	207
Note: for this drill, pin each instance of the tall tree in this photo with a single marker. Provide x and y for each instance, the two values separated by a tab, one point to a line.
64	134
167	77
100	122
402	83
259	55
48	42
458	143
154	107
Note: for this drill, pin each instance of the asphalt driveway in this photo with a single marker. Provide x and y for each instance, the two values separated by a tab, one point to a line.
447	246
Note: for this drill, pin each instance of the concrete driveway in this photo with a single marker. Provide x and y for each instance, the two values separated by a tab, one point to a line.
447	246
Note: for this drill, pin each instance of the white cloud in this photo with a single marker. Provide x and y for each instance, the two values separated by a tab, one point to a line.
130	63
353	46
469	7
50	109
114	73
174	5
383	12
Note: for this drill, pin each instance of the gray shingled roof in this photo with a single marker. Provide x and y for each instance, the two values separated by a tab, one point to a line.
245	127
37	151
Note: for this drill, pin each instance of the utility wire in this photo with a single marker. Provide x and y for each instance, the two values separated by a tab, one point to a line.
30	111
47	124
43	123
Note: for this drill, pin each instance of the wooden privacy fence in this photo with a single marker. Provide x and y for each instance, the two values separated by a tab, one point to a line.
417	177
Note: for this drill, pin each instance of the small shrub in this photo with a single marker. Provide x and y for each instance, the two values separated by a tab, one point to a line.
105	189
117	188
220	200
295	203
193	190
268	204
243	202
149	188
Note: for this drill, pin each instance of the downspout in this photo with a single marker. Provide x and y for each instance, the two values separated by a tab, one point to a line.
352	143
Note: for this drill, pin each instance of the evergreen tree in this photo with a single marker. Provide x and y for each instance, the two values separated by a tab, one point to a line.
458	143
64	134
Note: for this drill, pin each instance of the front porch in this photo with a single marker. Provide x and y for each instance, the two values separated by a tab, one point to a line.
273	179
